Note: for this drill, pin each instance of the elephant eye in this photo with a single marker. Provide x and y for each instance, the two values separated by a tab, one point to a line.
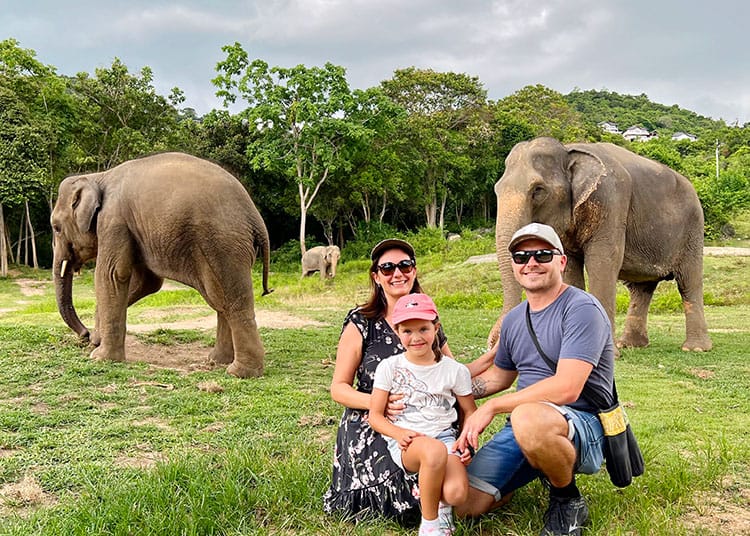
539	194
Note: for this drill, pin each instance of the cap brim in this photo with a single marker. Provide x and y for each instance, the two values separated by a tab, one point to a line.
391	243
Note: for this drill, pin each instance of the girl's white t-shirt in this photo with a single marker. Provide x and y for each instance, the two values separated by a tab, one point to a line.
429	391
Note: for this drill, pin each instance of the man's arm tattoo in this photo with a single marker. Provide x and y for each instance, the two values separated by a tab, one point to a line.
478	387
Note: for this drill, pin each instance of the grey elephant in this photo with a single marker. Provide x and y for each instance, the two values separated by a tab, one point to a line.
172	216
321	259
619	216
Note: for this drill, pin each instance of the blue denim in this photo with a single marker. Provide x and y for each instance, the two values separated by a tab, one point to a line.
499	466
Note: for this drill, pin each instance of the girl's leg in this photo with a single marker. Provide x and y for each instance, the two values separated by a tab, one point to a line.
456	481
428	457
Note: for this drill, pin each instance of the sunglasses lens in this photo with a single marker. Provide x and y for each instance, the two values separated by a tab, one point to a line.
387	268
406	266
521	257
543	256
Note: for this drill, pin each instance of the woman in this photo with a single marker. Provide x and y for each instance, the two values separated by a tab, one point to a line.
366	481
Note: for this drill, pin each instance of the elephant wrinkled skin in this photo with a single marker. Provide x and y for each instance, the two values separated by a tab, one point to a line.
619	216
321	259
172	216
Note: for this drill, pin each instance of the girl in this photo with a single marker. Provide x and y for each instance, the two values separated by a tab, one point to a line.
421	439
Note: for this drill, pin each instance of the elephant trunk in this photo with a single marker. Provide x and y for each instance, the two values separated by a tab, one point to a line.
63	277
510	217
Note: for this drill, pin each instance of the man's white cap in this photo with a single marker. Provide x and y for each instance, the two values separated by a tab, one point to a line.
539	231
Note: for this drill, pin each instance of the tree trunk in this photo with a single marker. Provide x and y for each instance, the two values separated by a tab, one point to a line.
35	264
3	246
442	210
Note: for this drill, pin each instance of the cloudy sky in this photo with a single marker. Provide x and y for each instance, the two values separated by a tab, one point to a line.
693	54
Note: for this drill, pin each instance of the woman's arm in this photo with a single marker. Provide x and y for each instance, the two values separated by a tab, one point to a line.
379	423
348	358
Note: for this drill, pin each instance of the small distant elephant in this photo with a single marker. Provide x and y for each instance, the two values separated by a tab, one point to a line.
172	216
619	215
321	259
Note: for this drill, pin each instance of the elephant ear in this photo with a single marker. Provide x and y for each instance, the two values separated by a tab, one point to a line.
85	204
586	171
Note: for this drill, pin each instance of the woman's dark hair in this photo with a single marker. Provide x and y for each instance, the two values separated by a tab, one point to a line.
374	308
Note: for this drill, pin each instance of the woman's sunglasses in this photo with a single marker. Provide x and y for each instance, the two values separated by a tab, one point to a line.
542	256
388	268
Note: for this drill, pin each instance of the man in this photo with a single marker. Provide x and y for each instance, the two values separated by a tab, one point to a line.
552	432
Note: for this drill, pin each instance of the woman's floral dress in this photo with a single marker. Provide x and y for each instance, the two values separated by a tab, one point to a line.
366	481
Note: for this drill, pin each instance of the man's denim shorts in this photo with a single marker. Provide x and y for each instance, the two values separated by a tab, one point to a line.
500	467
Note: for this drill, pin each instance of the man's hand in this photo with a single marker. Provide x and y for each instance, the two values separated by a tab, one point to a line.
474	425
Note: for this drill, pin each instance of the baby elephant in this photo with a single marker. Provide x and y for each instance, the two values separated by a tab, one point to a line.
321	259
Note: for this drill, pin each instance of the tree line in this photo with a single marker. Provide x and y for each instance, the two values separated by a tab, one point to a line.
325	162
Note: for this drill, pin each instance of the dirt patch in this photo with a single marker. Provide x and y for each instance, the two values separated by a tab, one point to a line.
193	356
721	512
708	251
265	319
144	459
21	498
32	287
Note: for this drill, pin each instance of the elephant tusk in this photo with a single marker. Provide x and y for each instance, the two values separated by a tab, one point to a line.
62	268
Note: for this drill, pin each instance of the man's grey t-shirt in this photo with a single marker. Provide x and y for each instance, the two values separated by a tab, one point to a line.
574	326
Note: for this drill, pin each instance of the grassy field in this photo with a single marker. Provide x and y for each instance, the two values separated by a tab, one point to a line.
166	445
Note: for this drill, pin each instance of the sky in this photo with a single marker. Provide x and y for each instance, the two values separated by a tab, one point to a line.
692	54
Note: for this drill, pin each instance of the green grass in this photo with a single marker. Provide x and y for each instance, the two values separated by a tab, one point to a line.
130	448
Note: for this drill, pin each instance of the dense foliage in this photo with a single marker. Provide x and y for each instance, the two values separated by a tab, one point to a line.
422	149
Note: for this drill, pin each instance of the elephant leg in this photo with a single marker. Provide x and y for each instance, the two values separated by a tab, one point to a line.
603	263
223	351
574	273
248	348
635	334
690	285
142	283
112	284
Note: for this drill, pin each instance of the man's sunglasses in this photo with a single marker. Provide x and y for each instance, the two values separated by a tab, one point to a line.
388	268
542	256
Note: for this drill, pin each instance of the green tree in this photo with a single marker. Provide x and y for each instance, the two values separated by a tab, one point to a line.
31	123
547	112
121	116
444	111
305	118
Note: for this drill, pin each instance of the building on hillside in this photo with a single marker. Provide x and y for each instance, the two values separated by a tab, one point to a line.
679	136
608	126
636	133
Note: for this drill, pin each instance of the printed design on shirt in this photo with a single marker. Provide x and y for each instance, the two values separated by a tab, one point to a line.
415	391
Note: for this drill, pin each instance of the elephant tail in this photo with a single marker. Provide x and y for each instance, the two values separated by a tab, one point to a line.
265	248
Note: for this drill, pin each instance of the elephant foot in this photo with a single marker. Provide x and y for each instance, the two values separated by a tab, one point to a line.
701	344
101	353
244	371
94	338
221	357
633	340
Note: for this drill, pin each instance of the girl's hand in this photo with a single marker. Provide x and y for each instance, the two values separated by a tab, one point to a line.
464	455
395	406
406	437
